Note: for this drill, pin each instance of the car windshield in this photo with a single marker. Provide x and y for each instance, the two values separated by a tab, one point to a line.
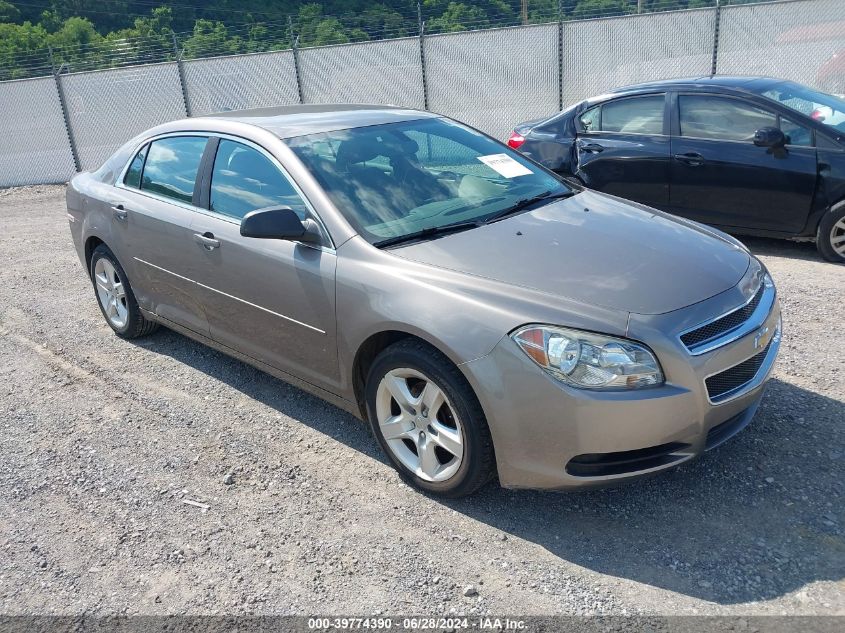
823	107
415	179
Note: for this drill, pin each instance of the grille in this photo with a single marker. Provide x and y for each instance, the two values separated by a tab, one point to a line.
725	324
724	382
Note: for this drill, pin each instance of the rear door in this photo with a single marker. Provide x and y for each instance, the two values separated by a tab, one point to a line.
720	177
622	148
273	300
156	207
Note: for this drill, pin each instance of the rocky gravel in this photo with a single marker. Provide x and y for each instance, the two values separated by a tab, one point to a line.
161	477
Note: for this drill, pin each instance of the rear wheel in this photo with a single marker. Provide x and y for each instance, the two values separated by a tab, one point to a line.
115	297
830	239
428	421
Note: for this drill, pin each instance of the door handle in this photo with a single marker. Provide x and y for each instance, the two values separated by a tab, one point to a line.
206	240
593	148
119	212
693	159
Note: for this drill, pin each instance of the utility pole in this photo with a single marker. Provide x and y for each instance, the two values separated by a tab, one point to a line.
639	6
525	11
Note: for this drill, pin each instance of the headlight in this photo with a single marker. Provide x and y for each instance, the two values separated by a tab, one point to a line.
587	360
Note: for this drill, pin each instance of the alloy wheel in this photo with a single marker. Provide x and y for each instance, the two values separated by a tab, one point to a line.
837	237
419	424
110	293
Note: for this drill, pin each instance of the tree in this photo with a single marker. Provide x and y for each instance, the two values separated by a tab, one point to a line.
603	8
78	44
22	46
458	17
211	38
149	40
314	29
8	12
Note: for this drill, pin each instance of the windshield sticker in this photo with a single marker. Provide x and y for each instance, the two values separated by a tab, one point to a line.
505	165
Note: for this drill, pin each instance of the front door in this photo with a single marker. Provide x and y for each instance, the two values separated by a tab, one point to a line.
623	149
273	300
720	177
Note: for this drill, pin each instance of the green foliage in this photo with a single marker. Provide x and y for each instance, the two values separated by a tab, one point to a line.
19	42
8	12
594	8
85	34
458	17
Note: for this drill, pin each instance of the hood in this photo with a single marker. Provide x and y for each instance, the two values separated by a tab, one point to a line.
596	250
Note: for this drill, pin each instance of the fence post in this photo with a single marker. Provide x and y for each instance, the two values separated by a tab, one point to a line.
182	82
57	77
717	23
294	45
560	54
421	24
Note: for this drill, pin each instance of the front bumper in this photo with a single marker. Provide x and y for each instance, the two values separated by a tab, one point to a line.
549	435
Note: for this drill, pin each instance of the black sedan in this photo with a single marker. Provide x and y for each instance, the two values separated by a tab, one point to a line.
750	155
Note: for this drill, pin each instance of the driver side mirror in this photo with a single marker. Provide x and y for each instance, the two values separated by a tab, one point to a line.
769	137
279	223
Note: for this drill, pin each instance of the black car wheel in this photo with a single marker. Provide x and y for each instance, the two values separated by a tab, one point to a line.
830	239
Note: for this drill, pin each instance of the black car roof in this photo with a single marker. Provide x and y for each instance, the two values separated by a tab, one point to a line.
720	81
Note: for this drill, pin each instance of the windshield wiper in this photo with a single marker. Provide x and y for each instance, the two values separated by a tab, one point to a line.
520	205
432	231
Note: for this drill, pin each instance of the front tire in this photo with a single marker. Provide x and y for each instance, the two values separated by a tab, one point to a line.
830	239
428	421
115	297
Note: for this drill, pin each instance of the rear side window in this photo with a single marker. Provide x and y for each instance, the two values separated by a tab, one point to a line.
172	165
133	174
721	118
244	180
634	115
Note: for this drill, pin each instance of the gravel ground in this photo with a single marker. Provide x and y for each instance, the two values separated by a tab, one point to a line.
104	442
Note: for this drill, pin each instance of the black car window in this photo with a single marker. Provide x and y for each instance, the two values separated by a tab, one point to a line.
721	118
796	134
172	165
133	174
590	120
244	179
635	115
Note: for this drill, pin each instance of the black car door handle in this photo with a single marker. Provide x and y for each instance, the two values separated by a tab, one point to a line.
593	148
693	159
206	240
119	212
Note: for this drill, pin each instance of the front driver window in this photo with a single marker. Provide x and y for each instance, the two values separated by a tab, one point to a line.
721	118
244	180
795	134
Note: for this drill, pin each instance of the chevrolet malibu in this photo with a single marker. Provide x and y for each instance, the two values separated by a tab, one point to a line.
485	317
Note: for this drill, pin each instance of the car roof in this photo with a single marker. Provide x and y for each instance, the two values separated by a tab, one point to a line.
720	81
298	120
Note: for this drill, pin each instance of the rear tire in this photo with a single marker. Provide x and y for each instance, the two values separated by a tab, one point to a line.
115	297
830	238
434	416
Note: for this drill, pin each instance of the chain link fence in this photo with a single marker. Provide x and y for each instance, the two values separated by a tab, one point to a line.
492	79
239	82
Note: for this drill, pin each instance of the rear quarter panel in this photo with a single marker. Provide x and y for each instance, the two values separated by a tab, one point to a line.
89	213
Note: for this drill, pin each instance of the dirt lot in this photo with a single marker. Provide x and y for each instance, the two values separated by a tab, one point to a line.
102	442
